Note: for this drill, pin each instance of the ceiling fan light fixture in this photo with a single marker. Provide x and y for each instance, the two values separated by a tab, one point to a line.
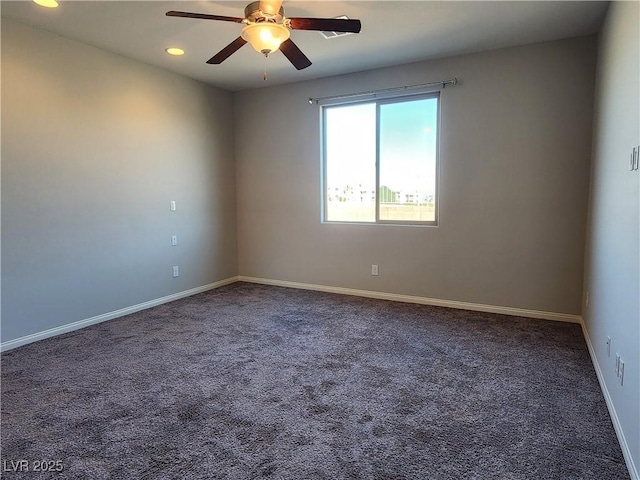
265	37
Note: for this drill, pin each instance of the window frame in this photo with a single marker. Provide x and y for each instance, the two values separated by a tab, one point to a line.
386	100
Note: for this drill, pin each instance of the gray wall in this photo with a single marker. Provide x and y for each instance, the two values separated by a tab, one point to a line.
612	266
94	147
515	153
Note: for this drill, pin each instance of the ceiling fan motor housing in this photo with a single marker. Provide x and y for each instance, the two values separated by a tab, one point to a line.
253	13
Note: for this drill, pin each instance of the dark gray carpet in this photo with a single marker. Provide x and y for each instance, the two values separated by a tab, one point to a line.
251	381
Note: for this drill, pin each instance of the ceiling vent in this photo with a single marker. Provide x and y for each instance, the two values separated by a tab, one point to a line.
329	35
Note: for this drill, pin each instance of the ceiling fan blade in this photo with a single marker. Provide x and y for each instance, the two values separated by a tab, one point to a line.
294	54
203	16
270	7
326	24
227	51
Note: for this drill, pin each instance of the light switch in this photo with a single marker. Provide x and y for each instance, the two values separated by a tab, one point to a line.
173	205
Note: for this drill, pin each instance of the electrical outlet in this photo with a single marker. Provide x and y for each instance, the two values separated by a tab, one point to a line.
174	240
608	346
621	374
374	270
176	271
587	300
172	205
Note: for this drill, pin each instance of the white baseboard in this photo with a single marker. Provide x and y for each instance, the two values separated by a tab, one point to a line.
478	307
69	327
34	337
626	451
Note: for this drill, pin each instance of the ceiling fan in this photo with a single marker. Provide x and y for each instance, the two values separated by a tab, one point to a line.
267	30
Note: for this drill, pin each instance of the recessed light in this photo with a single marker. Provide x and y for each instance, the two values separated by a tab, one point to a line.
47	3
174	51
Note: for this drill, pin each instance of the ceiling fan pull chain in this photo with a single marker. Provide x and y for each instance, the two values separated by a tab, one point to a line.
264	75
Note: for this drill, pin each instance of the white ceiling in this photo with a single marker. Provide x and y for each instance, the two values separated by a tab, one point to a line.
393	33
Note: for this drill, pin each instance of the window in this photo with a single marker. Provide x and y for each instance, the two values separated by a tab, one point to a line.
380	161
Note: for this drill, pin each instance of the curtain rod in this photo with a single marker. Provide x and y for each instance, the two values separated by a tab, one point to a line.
443	83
